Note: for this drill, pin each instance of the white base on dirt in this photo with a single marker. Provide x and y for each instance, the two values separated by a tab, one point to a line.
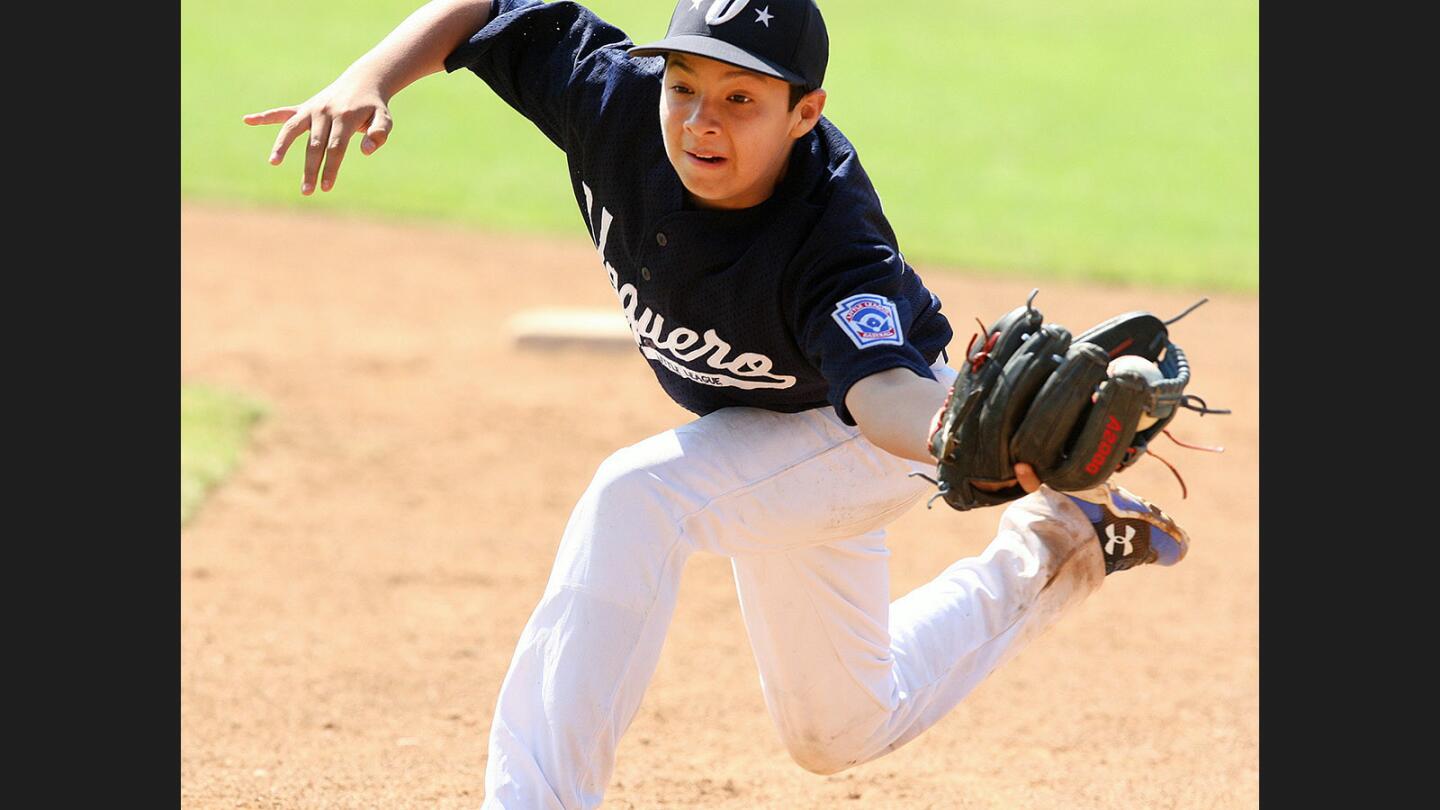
556	328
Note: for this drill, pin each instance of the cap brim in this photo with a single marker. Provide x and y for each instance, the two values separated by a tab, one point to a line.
715	49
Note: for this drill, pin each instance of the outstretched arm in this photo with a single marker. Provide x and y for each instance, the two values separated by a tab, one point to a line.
896	408
358	101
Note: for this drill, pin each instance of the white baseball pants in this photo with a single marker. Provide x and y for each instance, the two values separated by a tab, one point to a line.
799	503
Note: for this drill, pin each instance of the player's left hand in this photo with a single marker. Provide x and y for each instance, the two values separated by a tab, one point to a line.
1069	407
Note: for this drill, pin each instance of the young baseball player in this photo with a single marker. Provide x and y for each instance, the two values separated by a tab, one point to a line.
766	289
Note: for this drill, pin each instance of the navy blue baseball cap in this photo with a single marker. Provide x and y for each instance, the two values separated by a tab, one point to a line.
781	38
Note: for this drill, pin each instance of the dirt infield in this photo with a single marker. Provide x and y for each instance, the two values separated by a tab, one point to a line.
351	597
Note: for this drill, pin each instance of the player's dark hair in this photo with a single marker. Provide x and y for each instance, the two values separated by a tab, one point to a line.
797	92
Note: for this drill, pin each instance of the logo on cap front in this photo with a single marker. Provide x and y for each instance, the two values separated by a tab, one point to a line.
725	11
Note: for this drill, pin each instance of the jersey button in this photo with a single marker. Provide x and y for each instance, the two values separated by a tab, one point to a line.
645	273
660	239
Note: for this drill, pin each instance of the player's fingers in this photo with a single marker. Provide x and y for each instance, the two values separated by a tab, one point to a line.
378	131
335	147
1025	474
315	152
279	115
286	136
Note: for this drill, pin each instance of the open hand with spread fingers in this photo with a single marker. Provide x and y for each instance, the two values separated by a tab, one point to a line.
359	101
332	117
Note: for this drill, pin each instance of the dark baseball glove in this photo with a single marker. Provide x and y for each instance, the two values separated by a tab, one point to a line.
1032	393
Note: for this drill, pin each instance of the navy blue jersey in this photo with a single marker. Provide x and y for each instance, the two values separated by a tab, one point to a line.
781	306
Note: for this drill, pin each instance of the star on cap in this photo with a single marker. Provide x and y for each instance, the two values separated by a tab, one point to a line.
695	4
764	16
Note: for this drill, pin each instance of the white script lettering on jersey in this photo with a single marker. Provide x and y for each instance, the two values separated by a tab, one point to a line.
673	348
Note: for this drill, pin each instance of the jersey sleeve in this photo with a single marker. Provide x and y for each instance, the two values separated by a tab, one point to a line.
547	60
860	312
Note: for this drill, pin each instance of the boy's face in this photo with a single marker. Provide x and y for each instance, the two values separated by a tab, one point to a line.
740	119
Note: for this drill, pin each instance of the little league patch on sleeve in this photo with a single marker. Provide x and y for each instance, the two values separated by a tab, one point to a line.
869	320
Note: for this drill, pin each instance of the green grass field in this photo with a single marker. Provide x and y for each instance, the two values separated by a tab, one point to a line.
214	426
1103	139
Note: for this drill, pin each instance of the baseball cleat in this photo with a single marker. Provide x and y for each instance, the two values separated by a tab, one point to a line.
1131	530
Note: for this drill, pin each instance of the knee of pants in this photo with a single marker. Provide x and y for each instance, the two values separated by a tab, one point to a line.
819	760
623	532
629	492
823	750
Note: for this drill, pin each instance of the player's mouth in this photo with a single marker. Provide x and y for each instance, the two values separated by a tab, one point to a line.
707	159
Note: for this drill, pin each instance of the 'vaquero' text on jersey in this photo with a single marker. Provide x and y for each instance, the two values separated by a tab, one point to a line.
781	306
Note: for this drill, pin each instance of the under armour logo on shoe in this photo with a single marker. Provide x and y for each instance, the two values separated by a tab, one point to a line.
1124	541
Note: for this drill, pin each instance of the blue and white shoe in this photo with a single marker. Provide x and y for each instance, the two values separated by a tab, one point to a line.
1131	530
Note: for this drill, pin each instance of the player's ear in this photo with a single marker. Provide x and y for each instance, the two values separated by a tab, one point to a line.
809	107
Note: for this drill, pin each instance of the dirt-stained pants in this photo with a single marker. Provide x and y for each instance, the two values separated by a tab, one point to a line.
799	503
